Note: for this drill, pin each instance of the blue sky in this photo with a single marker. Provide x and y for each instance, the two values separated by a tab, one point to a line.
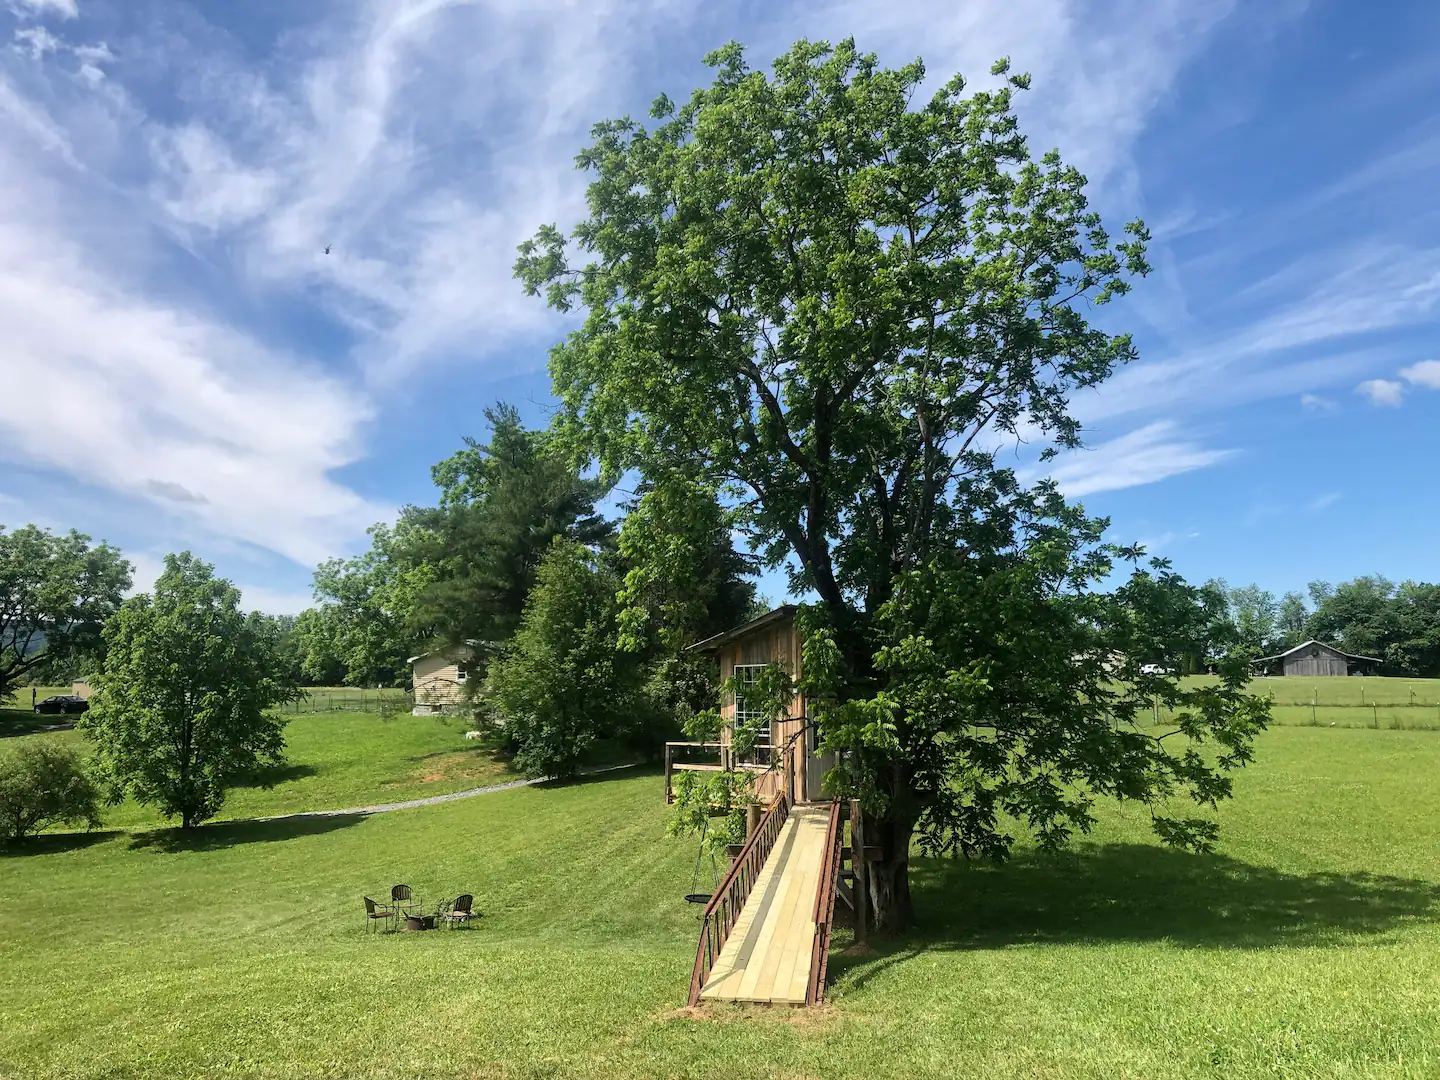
182	366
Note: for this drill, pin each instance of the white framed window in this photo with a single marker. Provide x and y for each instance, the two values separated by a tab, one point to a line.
462	671
745	675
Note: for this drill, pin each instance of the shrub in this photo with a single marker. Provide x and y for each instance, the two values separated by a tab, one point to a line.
42	784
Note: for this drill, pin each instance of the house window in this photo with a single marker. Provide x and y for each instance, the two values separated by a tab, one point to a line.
745	675
462	671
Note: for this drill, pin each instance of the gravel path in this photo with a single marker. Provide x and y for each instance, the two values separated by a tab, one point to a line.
434	800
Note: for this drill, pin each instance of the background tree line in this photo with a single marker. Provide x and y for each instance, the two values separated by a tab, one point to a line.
578	622
1368	616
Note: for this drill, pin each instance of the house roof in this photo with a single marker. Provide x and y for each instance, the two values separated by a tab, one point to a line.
1312	641
715	641
471	642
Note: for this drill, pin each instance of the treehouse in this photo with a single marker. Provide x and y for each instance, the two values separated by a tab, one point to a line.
765	931
784	757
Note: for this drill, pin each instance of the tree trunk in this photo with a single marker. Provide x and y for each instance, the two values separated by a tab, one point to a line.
889	878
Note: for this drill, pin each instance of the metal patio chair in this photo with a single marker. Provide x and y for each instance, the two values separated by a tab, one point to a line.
374	912
461	911
402	899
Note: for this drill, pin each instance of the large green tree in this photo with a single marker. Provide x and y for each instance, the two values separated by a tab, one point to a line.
182	707
1291	619
365	621
316	640
1255	614
1369	615
837	304
55	594
502	504
683	581
1359	615
560	685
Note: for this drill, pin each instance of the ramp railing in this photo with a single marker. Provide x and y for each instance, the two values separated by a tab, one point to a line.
825	904
729	899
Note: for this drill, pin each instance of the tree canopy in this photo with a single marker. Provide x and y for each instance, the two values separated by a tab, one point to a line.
684	580
181	709
835	305
560	684
502	504
1399	625
363	631
55	594
44	784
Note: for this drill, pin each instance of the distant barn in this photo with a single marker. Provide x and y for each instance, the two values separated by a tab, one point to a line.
1315	658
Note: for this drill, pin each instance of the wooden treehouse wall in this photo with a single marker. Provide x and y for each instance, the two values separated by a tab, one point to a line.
779	641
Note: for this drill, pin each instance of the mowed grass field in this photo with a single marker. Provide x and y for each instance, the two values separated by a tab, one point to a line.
334	761
1370	702
1308	947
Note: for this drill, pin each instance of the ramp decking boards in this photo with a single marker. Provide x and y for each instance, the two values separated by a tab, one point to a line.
767	955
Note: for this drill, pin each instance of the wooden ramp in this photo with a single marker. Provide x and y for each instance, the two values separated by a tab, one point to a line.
767	955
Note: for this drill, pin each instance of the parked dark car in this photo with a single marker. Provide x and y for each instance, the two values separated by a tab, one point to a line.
63	703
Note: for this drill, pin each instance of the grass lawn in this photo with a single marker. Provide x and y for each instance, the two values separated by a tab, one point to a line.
334	760
1310	947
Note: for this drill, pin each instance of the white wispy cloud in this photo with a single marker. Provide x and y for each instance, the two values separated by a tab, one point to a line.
1426	373
37	41
1100	70
344	154
1383	392
1320	502
1144	456
1314	317
66	9
147	396
145	569
1316	403
420	140
1155	544
274	601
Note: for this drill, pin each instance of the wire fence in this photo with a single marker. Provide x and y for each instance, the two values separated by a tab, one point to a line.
1375	702
322	699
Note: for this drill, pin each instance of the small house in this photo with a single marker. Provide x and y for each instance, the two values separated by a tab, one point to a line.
1315	658
439	678
786	750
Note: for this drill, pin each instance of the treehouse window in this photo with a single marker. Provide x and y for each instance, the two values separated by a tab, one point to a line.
745	675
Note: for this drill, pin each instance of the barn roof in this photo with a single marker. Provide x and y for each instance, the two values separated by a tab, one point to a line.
1323	645
715	641
445	648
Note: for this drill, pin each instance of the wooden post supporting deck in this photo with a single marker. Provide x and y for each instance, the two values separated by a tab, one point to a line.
753	813
860	864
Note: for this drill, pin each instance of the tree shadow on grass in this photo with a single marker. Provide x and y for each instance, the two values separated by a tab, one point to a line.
15	722
55	843
227	834
1135	893
603	774
270	776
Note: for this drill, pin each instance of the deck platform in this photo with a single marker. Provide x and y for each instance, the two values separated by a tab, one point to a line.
767	955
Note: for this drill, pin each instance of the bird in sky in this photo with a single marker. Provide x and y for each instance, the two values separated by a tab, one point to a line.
327	249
